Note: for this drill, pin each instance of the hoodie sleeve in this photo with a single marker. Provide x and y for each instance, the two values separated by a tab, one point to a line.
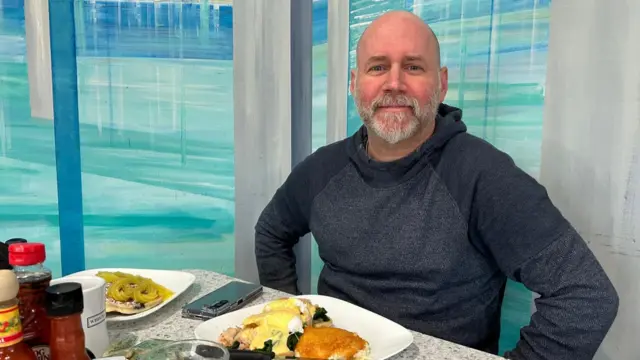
286	217
280	226
534	244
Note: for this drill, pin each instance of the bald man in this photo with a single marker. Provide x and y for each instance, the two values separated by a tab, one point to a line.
423	223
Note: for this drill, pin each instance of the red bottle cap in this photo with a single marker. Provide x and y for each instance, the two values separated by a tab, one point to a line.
26	254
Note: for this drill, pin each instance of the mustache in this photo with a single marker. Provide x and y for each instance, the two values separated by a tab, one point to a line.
397	100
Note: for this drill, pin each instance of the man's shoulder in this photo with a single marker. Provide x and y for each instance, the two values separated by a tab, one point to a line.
468	162
472	154
313	173
330	158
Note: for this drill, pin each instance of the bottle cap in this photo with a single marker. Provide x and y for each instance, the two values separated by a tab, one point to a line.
15	241
26	254
9	285
64	299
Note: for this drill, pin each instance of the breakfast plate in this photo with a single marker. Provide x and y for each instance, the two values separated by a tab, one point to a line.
175	281
385	337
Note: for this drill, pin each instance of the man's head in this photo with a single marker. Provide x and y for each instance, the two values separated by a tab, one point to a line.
398	83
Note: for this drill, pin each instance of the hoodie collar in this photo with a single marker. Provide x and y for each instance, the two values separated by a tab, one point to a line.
383	174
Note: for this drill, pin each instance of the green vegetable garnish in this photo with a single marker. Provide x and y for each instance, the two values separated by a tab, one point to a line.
268	347
321	315
292	340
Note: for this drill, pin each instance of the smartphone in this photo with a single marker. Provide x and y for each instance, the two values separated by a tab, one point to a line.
230	297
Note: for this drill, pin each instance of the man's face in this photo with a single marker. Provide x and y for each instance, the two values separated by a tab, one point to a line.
398	84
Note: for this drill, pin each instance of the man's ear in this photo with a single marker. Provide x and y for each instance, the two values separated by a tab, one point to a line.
352	82
444	83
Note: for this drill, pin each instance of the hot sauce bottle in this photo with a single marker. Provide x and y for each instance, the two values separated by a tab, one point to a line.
27	260
12	346
64	304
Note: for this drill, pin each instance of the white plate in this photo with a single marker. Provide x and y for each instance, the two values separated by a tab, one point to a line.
385	337
176	281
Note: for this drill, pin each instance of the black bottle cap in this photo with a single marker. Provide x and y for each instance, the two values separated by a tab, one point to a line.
64	299
209	352
15	241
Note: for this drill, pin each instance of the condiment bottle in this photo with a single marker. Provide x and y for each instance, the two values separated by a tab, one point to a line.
64	304
4	257
4	252
27	260
12	346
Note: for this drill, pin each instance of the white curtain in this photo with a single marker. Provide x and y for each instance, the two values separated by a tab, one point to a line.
591	144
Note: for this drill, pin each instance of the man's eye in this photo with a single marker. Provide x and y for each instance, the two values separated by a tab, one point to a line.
376	68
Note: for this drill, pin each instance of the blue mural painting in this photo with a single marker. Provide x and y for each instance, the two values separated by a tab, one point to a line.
155	84
156	127
28	198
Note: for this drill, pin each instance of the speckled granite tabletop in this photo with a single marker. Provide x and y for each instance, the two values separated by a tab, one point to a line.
167	323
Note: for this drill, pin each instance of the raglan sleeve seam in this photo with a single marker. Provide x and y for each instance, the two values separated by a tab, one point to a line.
324	187
450	197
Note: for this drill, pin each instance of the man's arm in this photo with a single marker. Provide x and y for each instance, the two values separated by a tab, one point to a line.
534	244
280	226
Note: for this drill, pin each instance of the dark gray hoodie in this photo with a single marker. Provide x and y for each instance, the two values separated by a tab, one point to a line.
429	241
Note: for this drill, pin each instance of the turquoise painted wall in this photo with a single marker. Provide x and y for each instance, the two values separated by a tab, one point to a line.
155	84
28	198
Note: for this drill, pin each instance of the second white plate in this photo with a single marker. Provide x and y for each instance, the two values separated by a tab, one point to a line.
176	281
385	337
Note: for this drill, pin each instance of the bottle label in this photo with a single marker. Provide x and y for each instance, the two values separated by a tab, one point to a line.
42	352
10	326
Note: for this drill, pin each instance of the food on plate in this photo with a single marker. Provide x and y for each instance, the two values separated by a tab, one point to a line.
332	343
132	294
283	323
309	313
270	331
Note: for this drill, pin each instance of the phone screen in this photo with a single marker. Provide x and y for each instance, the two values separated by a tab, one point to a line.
227	298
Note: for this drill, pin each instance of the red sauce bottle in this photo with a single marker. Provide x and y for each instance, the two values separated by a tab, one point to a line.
12	346
27	260
64	304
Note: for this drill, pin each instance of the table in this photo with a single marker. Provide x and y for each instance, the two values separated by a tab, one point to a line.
167	323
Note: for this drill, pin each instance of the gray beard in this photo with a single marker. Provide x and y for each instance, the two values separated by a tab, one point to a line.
396	127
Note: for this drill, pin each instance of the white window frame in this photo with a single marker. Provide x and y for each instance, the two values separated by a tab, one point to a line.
337	69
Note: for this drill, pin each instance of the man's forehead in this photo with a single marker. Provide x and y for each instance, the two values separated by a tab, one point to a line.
412	48
382	35
409	40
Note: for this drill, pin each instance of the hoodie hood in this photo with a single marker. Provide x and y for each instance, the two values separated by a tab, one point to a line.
382	174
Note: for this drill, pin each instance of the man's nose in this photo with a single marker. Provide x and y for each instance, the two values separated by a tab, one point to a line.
395	80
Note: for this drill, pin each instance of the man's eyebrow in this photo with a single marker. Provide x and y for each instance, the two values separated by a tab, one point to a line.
376	58
413	58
